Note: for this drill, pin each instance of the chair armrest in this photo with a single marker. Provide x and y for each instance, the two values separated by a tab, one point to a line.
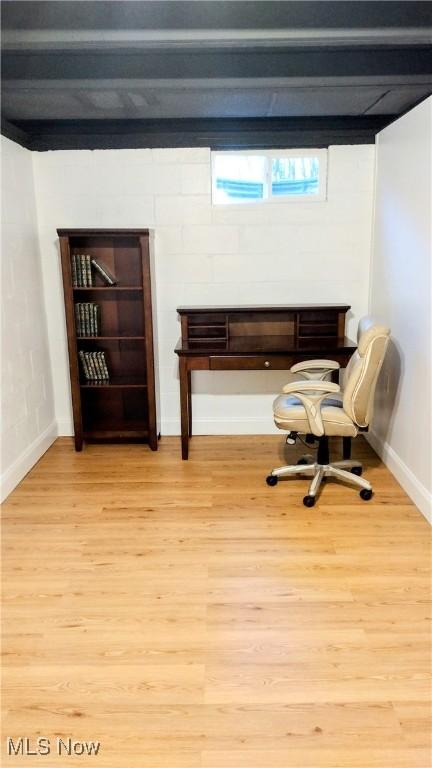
297	387
315	369
311	394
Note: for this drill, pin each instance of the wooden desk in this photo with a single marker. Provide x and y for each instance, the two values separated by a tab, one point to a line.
255	338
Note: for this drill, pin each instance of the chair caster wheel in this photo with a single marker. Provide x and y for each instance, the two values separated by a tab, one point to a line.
357	471
309	501
271	480
366	494
302	461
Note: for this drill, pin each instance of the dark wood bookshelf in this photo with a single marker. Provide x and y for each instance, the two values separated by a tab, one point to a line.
124	407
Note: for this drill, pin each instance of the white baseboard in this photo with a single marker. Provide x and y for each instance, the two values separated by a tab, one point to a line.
225	426
23	464
216	426
420	495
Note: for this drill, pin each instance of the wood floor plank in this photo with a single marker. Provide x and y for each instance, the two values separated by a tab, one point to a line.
319	758
188	616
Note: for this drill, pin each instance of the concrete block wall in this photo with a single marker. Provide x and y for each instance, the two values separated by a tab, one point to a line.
28	423
205	254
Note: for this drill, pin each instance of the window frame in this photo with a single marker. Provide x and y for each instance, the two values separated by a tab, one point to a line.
269	155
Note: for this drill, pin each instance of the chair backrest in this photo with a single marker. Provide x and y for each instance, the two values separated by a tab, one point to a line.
362	370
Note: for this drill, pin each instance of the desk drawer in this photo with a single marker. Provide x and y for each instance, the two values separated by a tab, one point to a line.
251	362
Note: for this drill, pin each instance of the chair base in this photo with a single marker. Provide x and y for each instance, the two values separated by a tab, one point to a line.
347	471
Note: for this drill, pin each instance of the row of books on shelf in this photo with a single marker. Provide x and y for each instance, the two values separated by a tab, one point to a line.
94	366
87	319
83	267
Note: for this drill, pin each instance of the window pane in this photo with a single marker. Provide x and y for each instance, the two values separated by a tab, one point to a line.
239	177
295	176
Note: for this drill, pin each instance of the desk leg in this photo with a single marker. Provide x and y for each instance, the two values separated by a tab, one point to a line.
189	375
184	410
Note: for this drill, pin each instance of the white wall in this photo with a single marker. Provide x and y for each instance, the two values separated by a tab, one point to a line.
401	296
279	253
27	407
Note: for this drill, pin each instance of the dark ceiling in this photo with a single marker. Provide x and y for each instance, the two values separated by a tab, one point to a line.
221	74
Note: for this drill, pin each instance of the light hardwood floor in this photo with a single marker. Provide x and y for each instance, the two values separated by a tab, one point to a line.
186	615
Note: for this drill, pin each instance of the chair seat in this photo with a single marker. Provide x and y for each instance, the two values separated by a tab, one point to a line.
290	414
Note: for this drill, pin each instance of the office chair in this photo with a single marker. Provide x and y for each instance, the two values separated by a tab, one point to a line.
315	406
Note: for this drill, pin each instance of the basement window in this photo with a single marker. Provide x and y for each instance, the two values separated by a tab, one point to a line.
272	176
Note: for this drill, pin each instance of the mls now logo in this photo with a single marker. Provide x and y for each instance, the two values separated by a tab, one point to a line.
42	746
77	748
24	746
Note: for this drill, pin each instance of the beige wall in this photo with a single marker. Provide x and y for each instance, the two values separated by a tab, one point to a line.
401	297
27	409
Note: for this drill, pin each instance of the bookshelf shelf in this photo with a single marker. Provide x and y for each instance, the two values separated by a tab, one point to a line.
110	338
113	383
111	325
110	288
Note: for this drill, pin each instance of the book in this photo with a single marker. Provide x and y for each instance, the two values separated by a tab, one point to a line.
95	314
94	366
83	270
91	320
99	366
88	271
94	369
74	272
84	365
86	319
83	320
77	320
78	270
96	372
105	274
104	366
